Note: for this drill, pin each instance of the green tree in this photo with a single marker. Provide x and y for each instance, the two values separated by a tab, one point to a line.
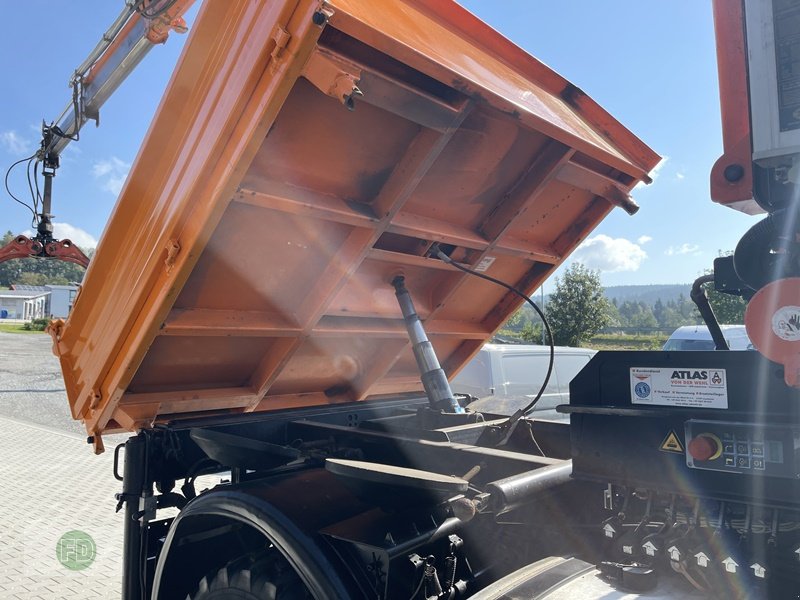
659	312
637	315
532	333
517	321
28	278
578	308
644	318
727	308
672	318
614	318
688	311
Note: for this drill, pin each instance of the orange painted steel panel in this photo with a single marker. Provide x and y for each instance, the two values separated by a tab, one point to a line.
734	95
247	264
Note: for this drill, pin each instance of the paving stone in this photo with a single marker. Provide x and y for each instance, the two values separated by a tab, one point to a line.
53	483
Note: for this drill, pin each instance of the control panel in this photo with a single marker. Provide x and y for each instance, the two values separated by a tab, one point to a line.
681	433
742	448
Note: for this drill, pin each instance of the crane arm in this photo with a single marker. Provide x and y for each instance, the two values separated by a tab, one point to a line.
141	25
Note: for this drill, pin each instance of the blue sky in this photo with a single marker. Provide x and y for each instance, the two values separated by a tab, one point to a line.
651	64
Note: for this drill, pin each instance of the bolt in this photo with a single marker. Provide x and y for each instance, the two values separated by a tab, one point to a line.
319	18
733	173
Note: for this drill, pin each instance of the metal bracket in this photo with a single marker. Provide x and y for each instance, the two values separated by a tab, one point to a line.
173	247
159	28
334	77
55	328
281	38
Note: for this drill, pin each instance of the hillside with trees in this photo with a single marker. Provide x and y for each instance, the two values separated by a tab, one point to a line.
580	309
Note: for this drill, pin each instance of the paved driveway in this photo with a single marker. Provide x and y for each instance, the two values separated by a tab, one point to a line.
31	386
52	483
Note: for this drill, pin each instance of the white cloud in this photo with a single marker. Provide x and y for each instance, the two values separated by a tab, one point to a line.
683	249
111	174
15	144
65	231
643	239
610	255
680	175
84	239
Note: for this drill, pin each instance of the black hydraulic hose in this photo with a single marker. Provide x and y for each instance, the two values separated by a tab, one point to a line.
698	296
752	254
512	420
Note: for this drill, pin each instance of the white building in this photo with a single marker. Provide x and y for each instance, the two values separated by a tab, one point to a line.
23	304
61	299
37	301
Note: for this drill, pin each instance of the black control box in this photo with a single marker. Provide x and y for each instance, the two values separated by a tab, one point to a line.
695	423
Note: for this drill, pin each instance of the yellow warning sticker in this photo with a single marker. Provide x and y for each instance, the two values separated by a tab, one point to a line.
671	443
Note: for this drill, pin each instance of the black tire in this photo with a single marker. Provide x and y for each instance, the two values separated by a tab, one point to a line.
263	576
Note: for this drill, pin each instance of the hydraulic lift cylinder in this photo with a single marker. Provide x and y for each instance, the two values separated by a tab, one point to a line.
434	380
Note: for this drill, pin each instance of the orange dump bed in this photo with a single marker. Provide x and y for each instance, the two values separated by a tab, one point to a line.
247	264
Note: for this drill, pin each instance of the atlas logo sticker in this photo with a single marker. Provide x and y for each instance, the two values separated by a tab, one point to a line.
713	377
642	390
671	443
689	375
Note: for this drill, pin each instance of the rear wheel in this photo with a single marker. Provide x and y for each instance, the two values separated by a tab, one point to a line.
261	576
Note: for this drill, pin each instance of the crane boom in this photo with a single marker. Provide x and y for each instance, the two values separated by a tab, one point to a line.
141	25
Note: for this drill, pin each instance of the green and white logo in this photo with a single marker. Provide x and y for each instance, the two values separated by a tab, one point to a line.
76	550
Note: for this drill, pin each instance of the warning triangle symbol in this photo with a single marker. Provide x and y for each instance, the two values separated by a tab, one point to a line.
671	443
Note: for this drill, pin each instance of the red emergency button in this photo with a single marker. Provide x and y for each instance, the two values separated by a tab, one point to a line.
705	446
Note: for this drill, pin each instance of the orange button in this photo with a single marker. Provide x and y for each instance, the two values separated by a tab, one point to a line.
705	446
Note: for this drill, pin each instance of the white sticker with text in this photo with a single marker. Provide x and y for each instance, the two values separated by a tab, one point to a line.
691	387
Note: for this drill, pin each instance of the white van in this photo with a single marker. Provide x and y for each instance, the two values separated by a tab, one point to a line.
506	377
698	337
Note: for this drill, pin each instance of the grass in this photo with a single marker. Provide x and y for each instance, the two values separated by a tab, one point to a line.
15	328
611	341
621	341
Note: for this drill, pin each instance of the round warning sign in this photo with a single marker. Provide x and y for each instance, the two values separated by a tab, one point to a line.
642	389
786	323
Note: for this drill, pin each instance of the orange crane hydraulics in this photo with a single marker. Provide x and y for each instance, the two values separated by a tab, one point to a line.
140	26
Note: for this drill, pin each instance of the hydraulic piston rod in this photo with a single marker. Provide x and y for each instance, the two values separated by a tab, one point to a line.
437	388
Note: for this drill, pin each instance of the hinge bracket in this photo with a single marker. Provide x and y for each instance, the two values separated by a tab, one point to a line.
172	248
281	38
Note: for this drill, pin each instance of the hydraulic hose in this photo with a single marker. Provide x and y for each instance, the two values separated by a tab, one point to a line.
698	296
752	255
